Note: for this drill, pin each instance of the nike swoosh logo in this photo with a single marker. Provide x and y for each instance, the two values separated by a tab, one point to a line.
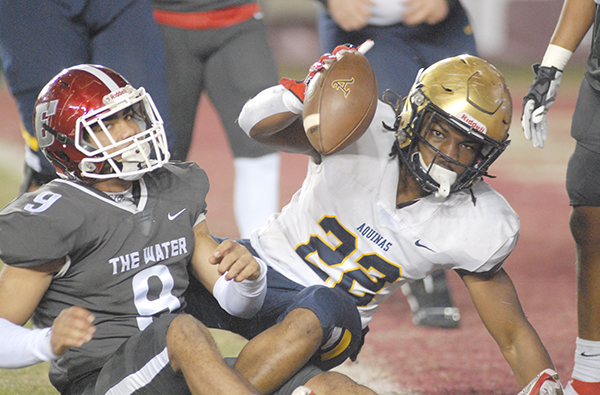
418	244
173	216
584	354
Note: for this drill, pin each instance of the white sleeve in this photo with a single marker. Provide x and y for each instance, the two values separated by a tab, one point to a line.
269	102
242	299
21	347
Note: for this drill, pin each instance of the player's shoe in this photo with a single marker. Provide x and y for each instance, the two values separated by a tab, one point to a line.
302	390
576	387
431	303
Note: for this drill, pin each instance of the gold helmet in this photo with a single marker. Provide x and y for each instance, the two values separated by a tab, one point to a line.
471	95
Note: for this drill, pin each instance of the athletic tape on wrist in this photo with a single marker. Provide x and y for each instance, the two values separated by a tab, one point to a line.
556	56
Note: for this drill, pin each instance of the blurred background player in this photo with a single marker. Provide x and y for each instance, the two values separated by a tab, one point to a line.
583	175
221	48
409	35
39	38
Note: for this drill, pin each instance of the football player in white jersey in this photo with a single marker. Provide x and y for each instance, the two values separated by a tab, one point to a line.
405	199
99	258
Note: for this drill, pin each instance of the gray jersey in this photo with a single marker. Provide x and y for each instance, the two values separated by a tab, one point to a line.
593	62
128	264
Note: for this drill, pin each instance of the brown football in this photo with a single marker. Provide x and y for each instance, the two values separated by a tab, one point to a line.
339	109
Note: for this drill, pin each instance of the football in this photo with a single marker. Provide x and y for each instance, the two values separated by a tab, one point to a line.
339	108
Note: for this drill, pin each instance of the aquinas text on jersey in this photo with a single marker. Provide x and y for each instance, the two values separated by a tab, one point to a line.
154	253
372	235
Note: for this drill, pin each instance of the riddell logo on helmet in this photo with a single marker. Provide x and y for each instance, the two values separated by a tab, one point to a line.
472	122
113	95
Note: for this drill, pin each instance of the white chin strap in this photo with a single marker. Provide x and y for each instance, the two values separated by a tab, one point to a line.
442	176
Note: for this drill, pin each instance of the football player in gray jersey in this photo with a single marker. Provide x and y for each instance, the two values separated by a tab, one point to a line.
114	238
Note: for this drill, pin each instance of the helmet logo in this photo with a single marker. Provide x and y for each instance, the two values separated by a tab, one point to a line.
44	111
342	85
112	96
472	122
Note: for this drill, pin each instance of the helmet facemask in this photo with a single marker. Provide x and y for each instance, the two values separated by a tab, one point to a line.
435	177
129	158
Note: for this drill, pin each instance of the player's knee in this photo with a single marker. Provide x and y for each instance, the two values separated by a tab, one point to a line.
585	226
185	334
303	324
186	328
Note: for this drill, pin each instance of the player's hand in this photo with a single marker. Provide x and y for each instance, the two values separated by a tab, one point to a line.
424	11
350	14
340	50
235	261
301	89
298	88
545	383
72	328
537	101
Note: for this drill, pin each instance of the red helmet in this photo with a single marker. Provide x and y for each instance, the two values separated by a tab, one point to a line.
69	115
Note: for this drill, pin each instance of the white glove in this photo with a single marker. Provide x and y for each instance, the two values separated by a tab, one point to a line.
537	101
545	383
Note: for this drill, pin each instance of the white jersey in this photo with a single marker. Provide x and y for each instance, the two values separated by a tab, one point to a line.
343	229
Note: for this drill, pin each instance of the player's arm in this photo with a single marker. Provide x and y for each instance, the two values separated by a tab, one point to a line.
497	303
228	270
274	116
267	118
21	290
575	20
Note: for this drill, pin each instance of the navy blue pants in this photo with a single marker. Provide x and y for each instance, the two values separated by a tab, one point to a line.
340	320
400	51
